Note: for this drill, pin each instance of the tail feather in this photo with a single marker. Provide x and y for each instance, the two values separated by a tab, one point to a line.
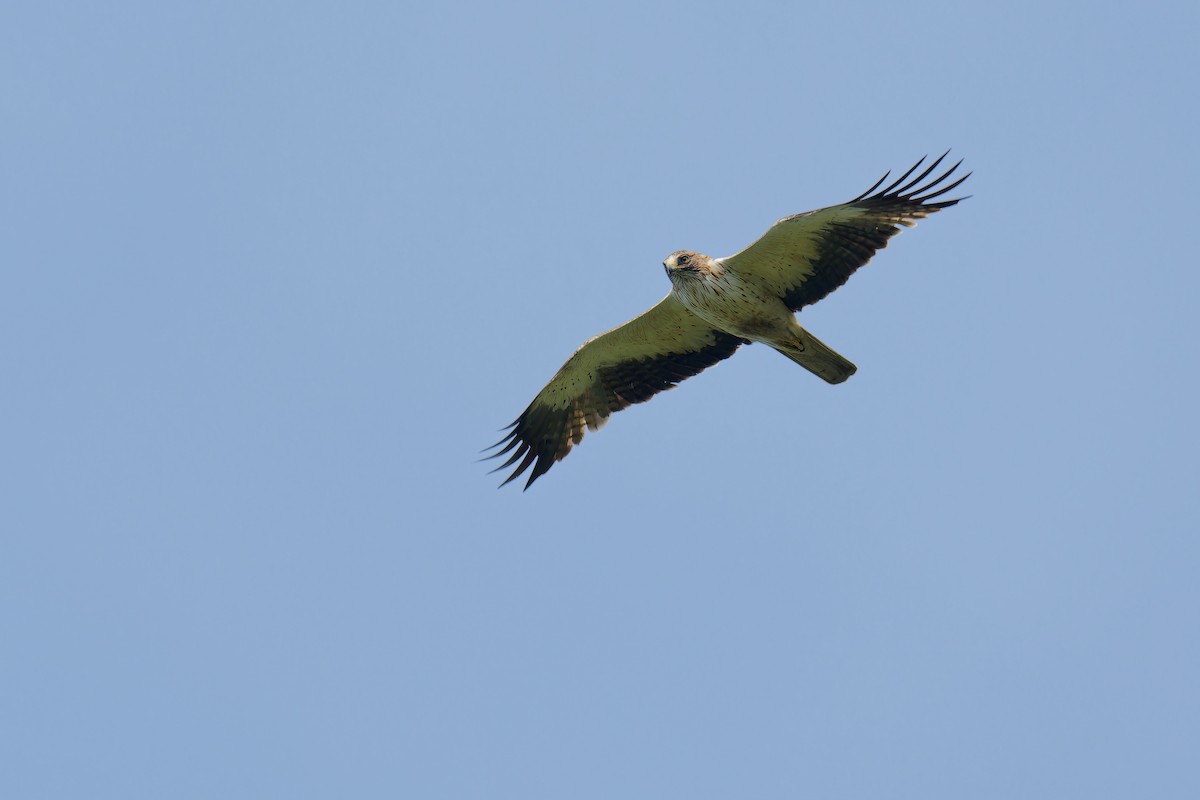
817	357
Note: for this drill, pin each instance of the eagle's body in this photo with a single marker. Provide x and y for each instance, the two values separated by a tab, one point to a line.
716	305
736	303
727	300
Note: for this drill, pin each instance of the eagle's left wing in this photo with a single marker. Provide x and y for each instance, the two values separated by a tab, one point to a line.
626	365
804	257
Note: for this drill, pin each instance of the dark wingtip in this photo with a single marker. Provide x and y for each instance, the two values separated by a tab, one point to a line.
518	449
873	187
941	191
900	180
917	191
509	443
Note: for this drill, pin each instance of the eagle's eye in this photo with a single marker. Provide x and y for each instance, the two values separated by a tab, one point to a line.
683	260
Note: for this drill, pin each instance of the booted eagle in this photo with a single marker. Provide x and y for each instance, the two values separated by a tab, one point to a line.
715	306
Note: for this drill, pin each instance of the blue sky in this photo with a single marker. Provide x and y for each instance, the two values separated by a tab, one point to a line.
275	272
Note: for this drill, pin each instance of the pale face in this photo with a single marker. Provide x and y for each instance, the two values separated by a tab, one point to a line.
684	261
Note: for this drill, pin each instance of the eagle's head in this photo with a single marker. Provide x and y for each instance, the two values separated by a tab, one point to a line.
686	262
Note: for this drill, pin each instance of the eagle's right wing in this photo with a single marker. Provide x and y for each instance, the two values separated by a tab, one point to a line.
804	257
612	371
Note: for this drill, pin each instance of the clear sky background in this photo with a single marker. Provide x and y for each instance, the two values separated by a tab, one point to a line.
273	273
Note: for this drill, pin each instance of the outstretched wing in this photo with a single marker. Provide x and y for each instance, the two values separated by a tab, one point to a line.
612	371
804	257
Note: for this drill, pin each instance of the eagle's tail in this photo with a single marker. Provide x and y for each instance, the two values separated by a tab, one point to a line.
815	356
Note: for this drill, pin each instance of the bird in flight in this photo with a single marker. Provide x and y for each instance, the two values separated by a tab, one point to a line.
716	305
